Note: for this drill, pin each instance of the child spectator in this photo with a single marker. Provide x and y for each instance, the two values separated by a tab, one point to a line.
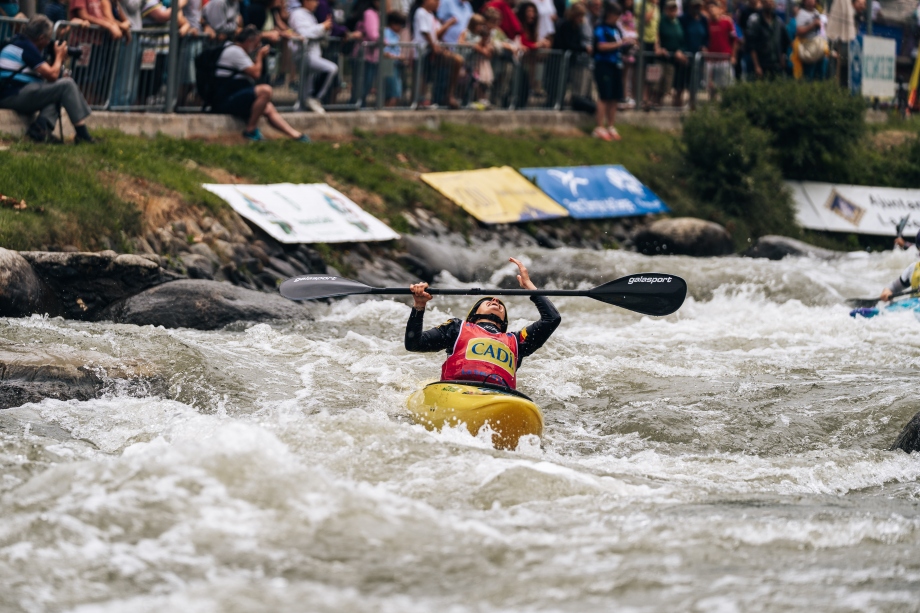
304	23
392	65
479	36
673	44
609	44
630	31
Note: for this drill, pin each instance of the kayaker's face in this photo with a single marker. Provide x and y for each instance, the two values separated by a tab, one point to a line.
491	306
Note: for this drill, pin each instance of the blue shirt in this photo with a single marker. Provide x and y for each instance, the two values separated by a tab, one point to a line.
607	34
392	41
21	52
462	10
696	32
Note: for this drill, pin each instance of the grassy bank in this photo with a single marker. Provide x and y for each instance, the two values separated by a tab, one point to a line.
101	196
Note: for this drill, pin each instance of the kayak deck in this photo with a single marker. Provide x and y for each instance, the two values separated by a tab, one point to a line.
508	413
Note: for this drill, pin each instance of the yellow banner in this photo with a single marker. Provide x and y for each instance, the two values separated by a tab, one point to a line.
495	195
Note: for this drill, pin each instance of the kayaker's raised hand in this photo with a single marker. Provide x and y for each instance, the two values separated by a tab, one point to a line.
523	276
420	295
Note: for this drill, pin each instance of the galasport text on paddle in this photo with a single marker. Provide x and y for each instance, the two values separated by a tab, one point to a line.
650	293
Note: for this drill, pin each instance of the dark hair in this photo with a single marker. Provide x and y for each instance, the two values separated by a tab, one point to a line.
246	34
612	8
531	29
396	19
37	27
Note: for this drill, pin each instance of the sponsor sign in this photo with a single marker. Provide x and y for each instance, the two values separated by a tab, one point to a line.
493	352
495	195
855	208
314	213
872	66
592	192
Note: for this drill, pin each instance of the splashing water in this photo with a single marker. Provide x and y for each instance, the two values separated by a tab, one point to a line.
730	457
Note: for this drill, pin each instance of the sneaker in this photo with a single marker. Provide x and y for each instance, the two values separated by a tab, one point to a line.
314	105
614	135
602	134
255	135
303	139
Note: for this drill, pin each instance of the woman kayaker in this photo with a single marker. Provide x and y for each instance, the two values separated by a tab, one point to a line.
481	348
909	278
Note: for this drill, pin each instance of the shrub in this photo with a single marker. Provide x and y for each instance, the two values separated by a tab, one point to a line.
812	126
730	168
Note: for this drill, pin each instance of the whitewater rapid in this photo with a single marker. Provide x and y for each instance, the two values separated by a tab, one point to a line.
730	457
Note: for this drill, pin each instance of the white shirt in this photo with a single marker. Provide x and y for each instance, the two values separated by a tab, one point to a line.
546	10
423	23
304	23
234	57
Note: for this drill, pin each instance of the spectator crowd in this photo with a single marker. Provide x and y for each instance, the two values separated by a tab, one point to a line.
476	53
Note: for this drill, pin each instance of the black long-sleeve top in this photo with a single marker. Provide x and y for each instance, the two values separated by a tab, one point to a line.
444	337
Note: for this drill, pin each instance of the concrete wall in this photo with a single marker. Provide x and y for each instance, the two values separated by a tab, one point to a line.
332	125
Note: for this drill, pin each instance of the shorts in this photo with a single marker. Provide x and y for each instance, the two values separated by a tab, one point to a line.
239	103
609	79
719	74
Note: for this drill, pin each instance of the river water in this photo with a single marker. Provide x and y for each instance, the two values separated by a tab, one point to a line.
730	457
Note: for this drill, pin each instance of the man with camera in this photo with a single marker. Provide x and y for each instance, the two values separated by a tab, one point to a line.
28	83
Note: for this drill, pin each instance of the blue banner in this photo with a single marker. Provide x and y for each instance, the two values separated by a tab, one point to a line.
593	192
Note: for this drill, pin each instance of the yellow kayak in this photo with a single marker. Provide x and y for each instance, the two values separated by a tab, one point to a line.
509	413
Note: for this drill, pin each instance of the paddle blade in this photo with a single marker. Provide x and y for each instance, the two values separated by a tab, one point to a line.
314	287
650	293
862	303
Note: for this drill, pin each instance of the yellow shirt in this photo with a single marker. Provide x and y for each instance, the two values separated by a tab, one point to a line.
652	17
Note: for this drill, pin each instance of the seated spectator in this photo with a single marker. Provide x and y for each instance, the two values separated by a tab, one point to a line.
99	12
392	65
304	23
673	47
32	84
237	94
221	18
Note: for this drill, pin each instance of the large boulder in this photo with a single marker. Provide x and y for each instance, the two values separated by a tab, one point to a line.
909	439
778	247
31	373
86	283
683	236
21	291
201	304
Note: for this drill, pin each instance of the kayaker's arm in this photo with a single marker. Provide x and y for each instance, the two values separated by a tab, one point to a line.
900	284
536	334
436	339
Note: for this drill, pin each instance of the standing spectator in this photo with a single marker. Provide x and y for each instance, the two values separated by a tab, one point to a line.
479	36
460	11
742	17
31	84
368	25
305	24
592	20
222	18
767	42
99	12
529	17
237	93
810	46
392	64
696	40
651	48
608	71
546	19
722	44
569	37
673	48
510	24
629	28
192	13
426	33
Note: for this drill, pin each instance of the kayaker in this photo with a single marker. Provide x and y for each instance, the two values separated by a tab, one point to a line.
481	348
909	278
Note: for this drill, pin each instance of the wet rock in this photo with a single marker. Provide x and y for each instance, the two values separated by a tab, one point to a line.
22	292
429	256
283	267
86	283
683	236
909	439
204	250
200	304
778	247
198	266
30	374
310	258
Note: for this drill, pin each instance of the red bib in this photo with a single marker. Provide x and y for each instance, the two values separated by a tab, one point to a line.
481	356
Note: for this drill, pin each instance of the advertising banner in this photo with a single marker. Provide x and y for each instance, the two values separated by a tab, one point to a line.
314	213
855	208
872	67
495	195
593	192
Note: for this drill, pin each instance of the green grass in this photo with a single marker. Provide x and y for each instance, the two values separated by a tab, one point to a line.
73	184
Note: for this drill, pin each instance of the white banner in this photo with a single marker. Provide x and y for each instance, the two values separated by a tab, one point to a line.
855	208
314	213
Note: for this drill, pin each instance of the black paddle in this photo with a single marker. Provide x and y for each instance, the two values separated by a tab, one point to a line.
650	293
862	303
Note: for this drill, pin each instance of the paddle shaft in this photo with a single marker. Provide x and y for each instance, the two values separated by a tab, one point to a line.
476	291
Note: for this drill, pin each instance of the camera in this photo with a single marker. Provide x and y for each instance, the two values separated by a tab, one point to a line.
74	53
